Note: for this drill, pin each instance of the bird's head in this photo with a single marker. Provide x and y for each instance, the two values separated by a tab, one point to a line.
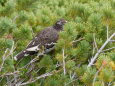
59	24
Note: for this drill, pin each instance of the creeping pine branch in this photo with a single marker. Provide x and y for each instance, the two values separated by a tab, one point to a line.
31	62
42	76
3	59
39	77
21	82
96	74
100	50
7	54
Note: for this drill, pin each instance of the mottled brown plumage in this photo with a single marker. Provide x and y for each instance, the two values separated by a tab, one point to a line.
44	41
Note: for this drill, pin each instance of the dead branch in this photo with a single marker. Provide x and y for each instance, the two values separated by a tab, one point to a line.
64	70
3	59
95	44
107	31
39	77
112	40
100	50
78	40
108	49
96	74
9	74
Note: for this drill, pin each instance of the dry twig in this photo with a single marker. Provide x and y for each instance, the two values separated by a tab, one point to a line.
39	77
64	70
78	40
108	49
9	74
96	74
3	59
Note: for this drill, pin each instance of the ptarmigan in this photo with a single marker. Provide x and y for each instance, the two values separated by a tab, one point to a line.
44	41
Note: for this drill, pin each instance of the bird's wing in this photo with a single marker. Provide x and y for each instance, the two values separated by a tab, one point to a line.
47	38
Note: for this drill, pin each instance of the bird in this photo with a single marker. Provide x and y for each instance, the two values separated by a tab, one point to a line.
44	41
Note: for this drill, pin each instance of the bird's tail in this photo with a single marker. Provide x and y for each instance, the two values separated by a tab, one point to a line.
21	55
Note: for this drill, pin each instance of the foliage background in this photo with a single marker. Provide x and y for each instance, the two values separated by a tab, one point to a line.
83	35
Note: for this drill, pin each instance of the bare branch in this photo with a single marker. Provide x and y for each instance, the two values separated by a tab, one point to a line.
100	50
32	61
8	81
32	32
110	84
107	32
96	74
39	77
9	74
5	56
108	49
3	59
78	40
95	42
64	70
13	20
112	40
71	82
